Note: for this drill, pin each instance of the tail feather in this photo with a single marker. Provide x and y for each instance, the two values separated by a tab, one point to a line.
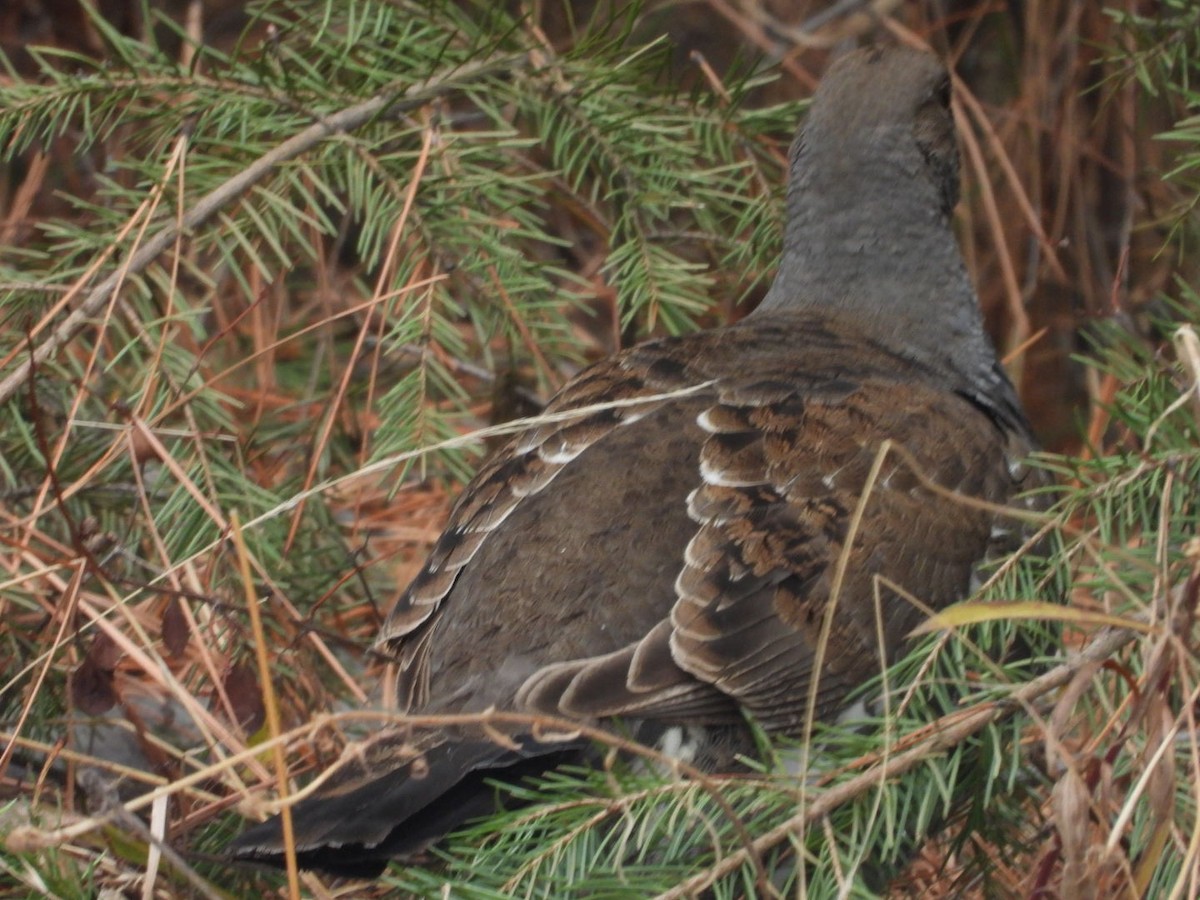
402	812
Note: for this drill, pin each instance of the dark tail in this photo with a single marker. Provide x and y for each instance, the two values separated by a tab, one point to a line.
399	813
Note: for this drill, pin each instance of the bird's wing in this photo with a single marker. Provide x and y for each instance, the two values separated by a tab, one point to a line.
607	396
769	588
819	543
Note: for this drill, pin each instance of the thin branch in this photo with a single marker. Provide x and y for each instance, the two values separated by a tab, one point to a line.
948	731
389	101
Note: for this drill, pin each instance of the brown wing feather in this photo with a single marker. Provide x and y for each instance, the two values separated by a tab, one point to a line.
780	458
520	470
640	680
783	482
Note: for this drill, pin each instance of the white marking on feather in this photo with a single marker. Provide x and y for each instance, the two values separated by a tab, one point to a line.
704	518
534	485
855	712
533	440
704	420
681	743
635	414
976	581
717	478
562	455
693	513
487	519
678	589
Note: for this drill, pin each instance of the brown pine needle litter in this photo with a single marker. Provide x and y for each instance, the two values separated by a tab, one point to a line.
272	286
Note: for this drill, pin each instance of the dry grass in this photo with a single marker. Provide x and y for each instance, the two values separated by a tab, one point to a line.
1063	223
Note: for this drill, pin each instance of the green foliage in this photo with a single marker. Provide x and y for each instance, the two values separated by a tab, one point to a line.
444	202
275	265
55	875
414	198
443	199
1165	60
625	831
621	833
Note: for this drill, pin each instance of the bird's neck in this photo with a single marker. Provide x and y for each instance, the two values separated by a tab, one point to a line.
896	272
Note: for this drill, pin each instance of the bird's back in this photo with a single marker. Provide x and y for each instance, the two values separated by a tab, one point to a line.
744	522
739	492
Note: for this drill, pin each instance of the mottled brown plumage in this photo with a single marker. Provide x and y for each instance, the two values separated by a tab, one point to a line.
735	537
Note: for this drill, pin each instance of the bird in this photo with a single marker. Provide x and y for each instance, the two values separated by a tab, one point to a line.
721	528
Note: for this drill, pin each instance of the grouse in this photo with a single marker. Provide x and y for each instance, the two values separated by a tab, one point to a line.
722	526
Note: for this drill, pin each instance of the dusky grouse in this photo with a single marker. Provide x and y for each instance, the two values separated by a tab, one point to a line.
672	560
